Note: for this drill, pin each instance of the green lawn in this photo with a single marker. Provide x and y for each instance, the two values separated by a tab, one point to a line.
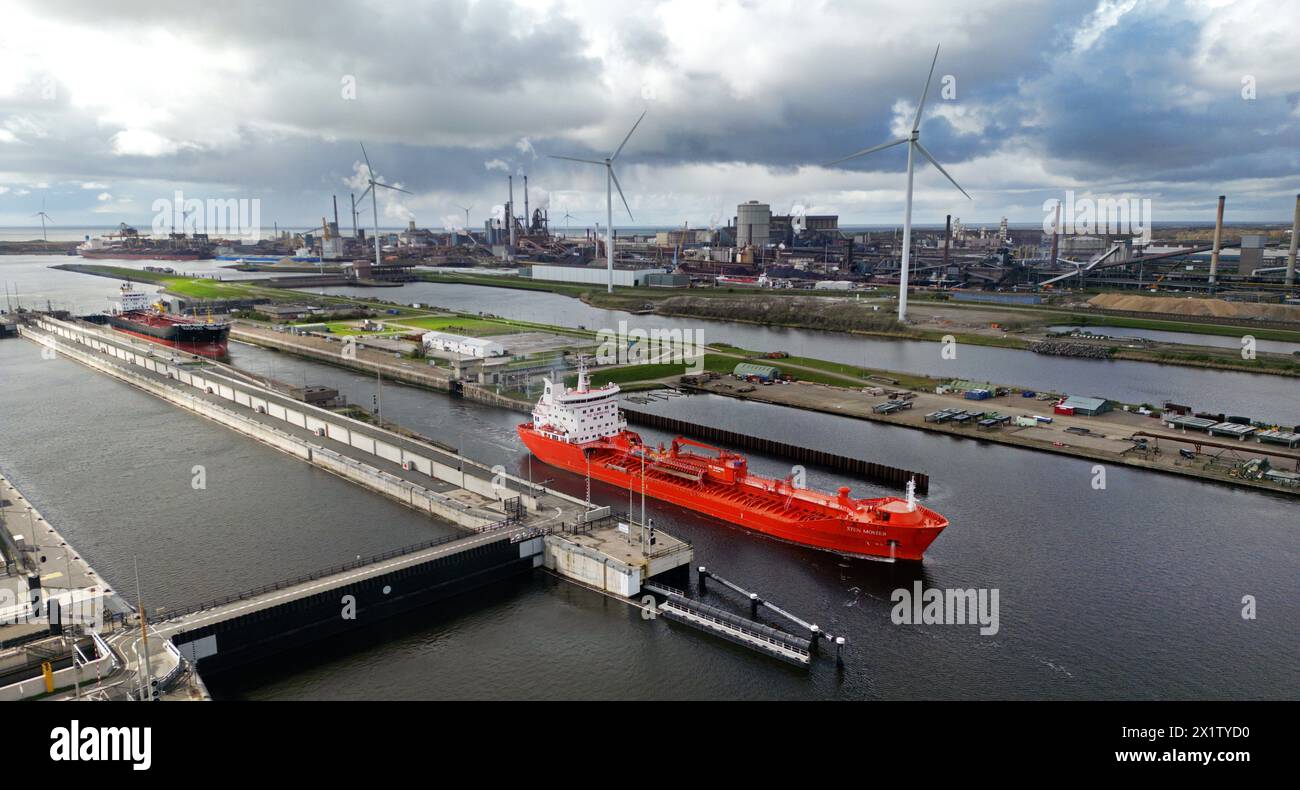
344	328
458	325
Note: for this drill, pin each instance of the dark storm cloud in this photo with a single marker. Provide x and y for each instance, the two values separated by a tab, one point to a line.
444	87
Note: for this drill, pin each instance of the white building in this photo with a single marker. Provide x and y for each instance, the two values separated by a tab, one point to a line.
460	344
592	275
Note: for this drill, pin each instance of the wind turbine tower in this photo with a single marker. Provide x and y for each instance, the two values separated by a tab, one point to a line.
611	183
913	141
374	202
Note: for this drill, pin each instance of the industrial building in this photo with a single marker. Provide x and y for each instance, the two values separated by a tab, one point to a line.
745	370
668	280
753	224
1084	406
460	344
592	275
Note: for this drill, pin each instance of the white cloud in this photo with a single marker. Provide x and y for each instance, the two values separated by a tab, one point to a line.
1106	16
207	104
142	142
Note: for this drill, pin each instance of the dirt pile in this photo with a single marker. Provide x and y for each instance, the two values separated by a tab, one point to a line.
1176	306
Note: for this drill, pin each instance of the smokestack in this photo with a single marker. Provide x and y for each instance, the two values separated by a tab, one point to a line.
1056	234
528	218
947	232
353	196
1218	237
1295	238
510	215
336	211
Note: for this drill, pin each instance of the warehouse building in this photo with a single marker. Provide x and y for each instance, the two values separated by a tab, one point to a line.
460	344
762	372
592	275
1084	406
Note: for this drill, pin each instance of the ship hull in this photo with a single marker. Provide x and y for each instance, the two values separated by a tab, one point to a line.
759	512
203	339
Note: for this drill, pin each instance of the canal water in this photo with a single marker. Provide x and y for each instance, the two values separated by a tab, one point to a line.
1273	398
1133	591
32	282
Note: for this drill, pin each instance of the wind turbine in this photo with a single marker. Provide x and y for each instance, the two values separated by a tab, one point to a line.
913	141
466	210
44	240
611	183
567	216
374	202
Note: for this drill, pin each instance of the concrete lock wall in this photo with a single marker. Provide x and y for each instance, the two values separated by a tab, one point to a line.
591	567
375	479
310	421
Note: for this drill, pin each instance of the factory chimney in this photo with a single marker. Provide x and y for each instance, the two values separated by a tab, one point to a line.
528	218
353	196
1218	237
947	233
336	212
510	217
1056	234
1295	238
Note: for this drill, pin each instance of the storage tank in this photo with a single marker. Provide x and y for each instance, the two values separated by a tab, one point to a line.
753	222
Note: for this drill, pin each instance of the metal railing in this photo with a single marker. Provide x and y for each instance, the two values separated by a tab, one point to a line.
320	574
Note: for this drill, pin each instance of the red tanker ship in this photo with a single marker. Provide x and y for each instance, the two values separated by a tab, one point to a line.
583	431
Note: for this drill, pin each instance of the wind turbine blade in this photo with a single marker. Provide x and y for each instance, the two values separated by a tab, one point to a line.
629	136
866	151
367	192
371	170
395	189
576	159
934	162
620	194
916	122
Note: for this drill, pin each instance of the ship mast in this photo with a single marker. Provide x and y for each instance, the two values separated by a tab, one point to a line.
583	381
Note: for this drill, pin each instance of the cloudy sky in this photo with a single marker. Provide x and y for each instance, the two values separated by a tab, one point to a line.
102	113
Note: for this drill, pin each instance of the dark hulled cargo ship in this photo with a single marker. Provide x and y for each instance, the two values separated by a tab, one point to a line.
136	316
